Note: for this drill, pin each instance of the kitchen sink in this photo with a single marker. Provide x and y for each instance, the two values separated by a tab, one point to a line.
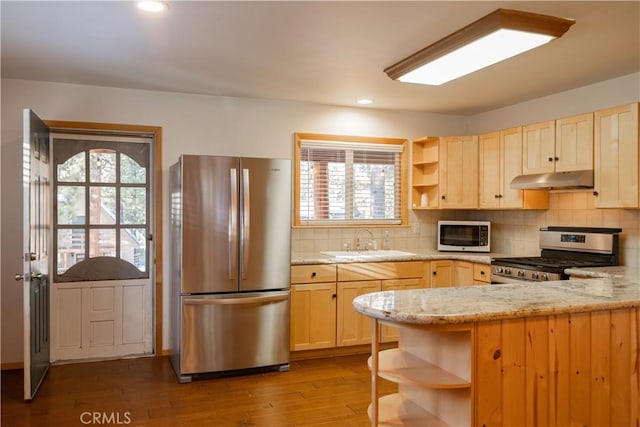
367	255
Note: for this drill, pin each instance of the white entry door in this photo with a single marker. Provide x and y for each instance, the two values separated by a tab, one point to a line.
35	251
102	298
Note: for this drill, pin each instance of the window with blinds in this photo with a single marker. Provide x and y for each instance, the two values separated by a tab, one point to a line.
349	182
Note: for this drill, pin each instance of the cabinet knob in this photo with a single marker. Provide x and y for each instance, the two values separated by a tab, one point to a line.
595	193
481	272
433	272
313	274
443	197
334	296
496	196
556	158
550	159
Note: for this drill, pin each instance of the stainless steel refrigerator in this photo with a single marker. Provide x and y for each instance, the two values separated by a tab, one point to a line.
231	254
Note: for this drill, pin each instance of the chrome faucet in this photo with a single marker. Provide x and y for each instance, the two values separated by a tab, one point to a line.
371	244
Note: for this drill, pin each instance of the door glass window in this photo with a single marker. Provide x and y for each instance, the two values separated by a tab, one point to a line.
102	216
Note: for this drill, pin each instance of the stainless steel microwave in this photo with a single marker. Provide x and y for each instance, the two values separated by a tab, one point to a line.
464	236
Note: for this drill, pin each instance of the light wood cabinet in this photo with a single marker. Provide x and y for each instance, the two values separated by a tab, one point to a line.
538	143
616	157
313	316
424	173
388	333
463	273
352	327
447	273
322	314
442	273
458	172
574	143
558	145
481	274
500	160
313	306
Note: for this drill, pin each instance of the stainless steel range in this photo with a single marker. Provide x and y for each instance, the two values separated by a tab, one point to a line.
562	248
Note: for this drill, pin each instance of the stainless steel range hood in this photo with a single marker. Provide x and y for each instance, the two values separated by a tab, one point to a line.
554	180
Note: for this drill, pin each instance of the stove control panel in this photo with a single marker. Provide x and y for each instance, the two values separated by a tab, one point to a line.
502	274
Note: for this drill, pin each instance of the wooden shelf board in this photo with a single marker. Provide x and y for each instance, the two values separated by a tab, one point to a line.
394	410
404	368
425	162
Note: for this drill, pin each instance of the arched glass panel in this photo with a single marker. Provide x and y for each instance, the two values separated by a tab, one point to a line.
131	172
102	165
74	169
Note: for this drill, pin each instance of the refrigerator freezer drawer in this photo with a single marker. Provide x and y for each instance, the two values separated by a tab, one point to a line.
236	331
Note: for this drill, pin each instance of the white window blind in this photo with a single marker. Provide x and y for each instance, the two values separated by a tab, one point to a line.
349	182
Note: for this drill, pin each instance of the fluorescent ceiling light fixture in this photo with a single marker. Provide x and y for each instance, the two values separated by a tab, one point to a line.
364	101
500	35
153	6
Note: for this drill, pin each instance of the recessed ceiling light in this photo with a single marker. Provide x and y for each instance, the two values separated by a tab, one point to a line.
153	6
365	101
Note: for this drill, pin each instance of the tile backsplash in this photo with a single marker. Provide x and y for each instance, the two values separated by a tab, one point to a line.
513	232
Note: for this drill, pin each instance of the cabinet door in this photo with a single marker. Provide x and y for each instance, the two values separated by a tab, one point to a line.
538	142
616	157
353	328
481	274
389	333
574	143
313	316
459	172
463	273
489	170
510	166
442	274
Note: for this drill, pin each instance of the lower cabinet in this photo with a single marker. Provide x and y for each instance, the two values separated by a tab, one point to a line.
389	333
313	316
446	273
352	327
322	314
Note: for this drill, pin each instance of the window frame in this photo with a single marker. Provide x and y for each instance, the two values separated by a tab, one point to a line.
403	173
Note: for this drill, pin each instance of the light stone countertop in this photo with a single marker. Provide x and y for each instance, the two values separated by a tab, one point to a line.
610	288
419	255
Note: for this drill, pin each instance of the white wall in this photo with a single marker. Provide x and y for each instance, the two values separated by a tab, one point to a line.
241	126
610	93
191	124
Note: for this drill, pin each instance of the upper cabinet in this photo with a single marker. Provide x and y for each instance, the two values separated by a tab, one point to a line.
458	172
616	157
500	160
574	143
558	146
539	141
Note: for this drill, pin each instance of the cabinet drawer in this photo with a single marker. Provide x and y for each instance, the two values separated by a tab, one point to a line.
482	272
316	273
379	270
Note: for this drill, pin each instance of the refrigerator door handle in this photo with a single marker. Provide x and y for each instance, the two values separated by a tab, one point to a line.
246	221
233	224
280	296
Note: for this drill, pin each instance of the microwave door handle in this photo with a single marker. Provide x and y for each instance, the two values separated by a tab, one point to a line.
233	223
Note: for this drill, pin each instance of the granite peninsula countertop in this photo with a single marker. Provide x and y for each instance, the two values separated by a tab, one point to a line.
419	255
608	288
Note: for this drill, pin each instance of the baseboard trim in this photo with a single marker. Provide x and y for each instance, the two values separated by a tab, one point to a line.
337	351
11	366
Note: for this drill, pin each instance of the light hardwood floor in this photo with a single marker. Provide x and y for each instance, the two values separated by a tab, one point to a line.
145	392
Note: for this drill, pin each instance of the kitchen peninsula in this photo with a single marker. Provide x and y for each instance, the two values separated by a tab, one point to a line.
554	353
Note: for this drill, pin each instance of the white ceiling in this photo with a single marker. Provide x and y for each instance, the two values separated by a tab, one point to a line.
322	52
